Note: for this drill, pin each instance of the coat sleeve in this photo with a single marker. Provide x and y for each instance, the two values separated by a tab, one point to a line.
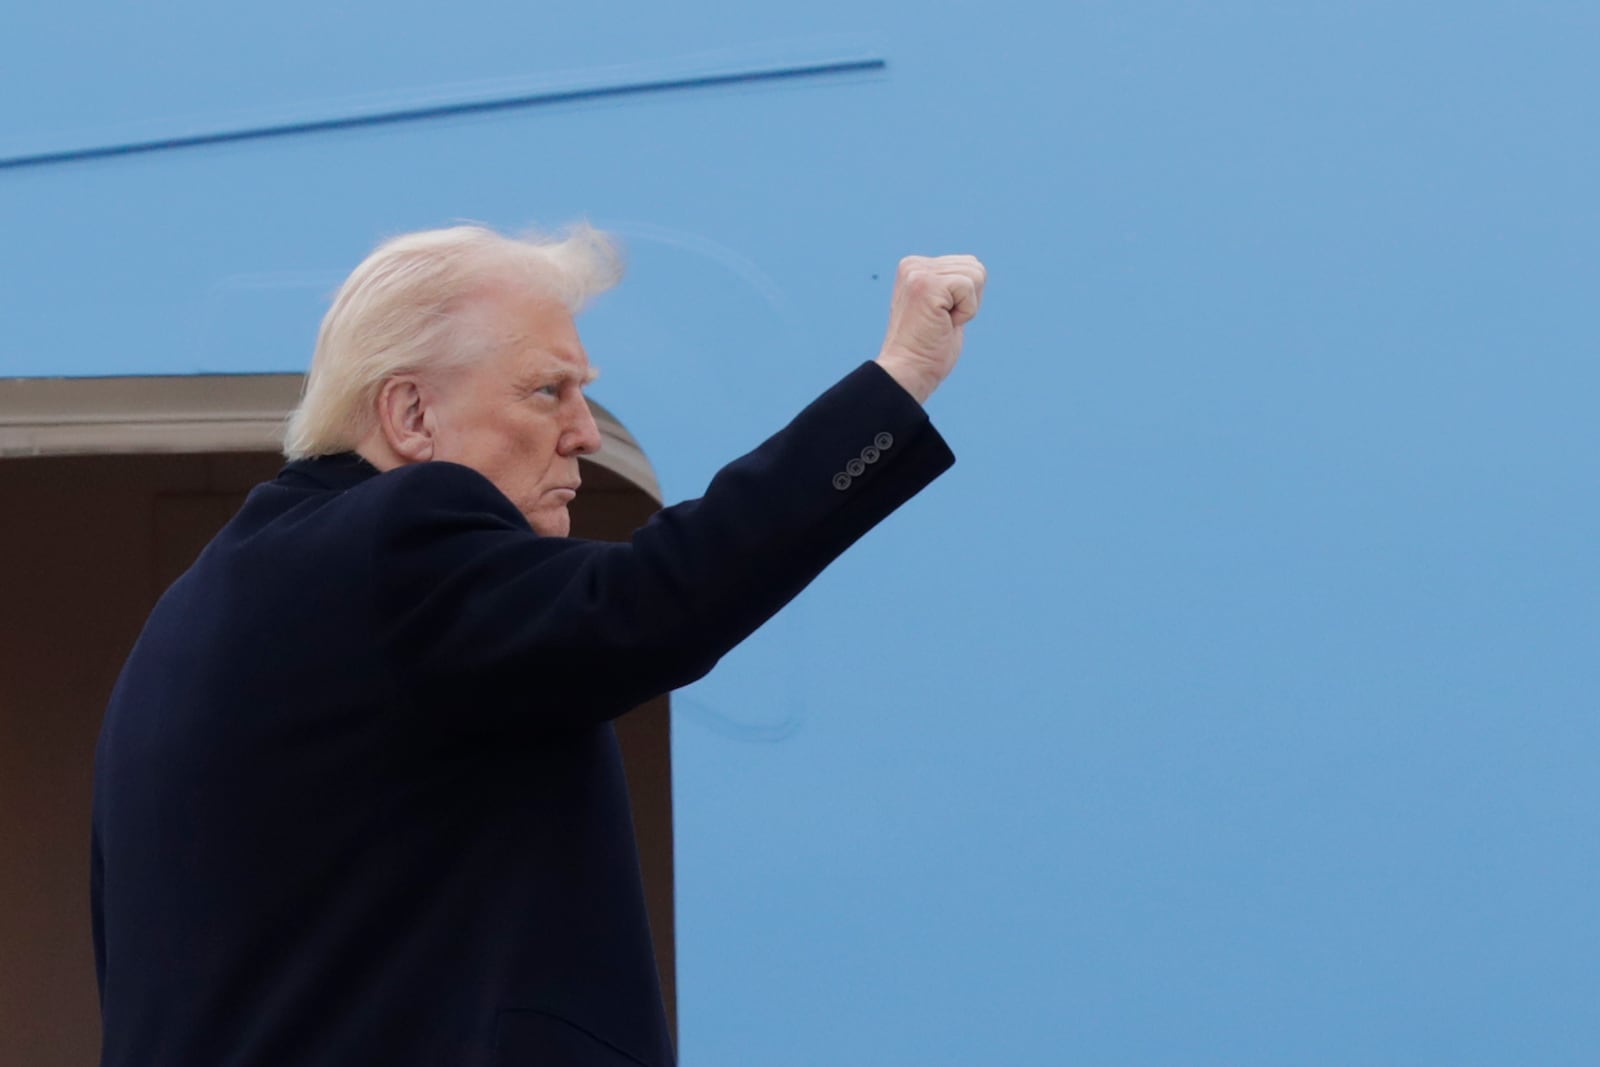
493	627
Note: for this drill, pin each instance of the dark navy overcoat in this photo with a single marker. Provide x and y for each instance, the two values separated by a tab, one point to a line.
357	796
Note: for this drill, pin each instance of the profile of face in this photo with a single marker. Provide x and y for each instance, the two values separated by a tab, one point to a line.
517	415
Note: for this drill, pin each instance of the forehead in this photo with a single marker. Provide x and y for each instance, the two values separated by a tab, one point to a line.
530	332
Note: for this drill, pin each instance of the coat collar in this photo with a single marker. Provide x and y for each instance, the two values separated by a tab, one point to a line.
342	471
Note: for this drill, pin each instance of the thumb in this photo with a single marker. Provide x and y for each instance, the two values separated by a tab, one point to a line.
962	301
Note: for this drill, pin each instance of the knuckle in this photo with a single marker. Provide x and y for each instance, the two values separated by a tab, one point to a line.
912	264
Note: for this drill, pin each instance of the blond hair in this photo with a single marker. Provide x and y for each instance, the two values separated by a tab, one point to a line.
401	311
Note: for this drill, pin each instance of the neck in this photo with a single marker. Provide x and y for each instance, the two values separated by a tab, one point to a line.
376	451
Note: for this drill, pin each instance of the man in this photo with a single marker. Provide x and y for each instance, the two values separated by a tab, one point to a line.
357	795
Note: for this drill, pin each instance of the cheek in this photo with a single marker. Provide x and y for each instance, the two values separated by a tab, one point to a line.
529	443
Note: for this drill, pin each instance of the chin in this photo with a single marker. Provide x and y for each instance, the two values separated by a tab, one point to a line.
550	523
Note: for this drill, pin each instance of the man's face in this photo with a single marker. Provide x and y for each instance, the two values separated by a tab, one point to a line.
518	415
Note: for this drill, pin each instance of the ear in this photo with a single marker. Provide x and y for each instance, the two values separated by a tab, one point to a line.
405	419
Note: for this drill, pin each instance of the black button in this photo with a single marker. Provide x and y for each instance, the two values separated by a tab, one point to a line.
841	481
884	441
855	468
870	454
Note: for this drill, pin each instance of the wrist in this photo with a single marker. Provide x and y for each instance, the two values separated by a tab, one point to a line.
909	377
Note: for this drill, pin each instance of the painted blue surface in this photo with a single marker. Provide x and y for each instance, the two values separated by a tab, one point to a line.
1234	700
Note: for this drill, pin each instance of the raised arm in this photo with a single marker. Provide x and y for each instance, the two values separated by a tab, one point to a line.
494	627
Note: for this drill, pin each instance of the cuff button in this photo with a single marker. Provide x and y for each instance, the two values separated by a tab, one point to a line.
841	481
855	468
884	441
870	454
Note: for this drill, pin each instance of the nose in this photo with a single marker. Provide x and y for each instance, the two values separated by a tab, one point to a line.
582	436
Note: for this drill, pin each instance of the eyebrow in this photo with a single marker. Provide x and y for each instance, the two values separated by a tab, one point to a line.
535	381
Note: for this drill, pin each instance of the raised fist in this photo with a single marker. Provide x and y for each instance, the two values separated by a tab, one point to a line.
934	298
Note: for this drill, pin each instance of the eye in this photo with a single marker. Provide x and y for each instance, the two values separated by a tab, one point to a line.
552	390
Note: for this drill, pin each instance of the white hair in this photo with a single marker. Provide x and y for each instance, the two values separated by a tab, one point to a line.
400	311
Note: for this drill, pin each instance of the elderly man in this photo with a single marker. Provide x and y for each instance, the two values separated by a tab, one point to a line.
357	795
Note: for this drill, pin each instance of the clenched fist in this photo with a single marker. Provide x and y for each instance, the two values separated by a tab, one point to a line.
934	299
